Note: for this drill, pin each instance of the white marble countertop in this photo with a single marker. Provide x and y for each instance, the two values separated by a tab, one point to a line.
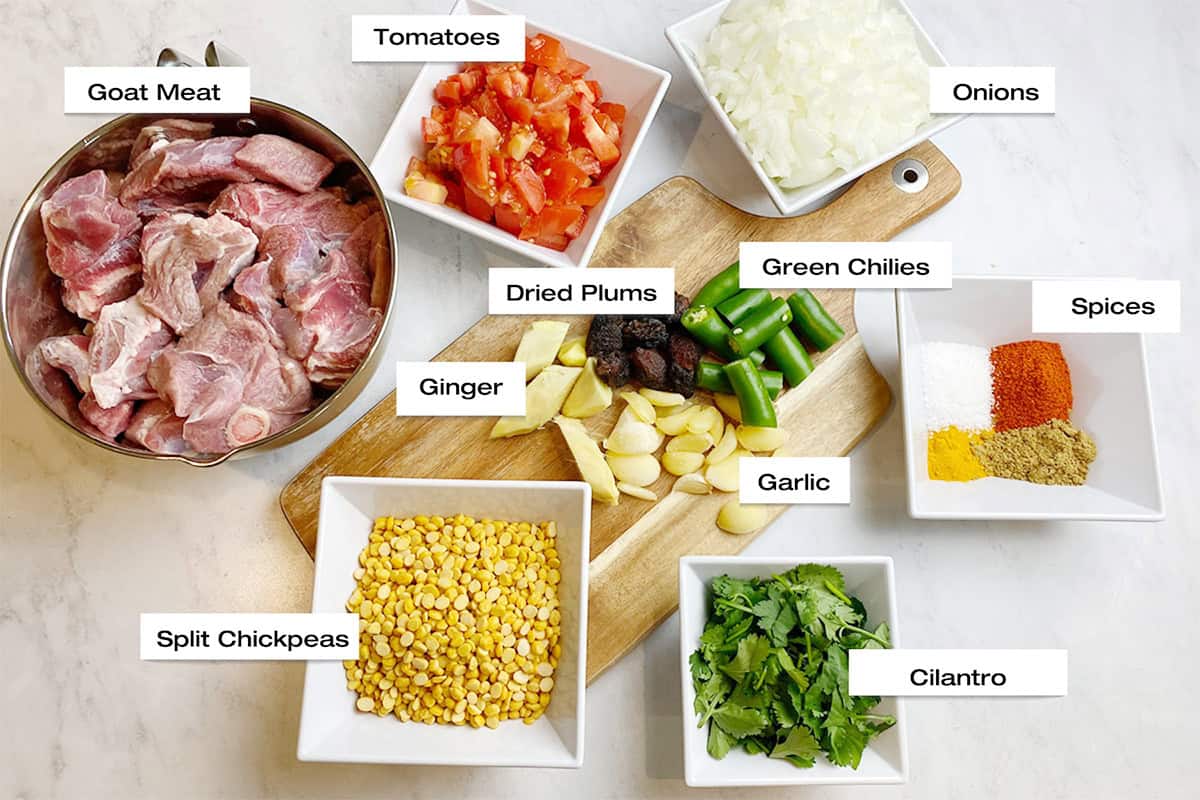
1106	187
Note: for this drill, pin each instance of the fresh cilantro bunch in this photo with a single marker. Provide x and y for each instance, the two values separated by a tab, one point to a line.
772	672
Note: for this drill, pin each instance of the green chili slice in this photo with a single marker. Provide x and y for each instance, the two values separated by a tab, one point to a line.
711	376
738	307
707	328
762	324
786	353
814	321
751	392
722	286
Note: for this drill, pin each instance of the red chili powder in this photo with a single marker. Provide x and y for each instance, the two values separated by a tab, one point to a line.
1031	384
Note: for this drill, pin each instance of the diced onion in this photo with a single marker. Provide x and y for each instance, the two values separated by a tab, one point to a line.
817	86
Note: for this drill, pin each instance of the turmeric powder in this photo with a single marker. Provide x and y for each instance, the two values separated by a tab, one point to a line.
950	457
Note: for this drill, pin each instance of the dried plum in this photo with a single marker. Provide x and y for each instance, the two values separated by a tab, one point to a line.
681	379
604	335
613	368
650	368
684	351
645	332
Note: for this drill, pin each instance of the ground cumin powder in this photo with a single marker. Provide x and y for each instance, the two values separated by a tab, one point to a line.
1055	452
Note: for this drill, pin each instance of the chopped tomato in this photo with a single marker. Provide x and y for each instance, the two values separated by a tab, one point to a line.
576	68
588	196
448	92
518	109
554	127
604	147
586	160
476	204
471	161
546	51
529	188
520	144
432	131
562	178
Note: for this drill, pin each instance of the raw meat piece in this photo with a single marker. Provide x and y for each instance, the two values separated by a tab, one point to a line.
116	275
70	354
279	160
91	243
254	293
368	246
229	382
188	261
183	172
111	422
335	306
124	339
56	391
164	131
325	214
82	221
293	255
155	427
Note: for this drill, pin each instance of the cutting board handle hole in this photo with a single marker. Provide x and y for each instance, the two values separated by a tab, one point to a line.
910	175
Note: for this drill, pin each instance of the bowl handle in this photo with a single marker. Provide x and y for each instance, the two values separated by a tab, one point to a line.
215	55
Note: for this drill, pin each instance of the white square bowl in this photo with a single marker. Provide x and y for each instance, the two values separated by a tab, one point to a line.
330	727
688	35
640	87
871	579
1112	404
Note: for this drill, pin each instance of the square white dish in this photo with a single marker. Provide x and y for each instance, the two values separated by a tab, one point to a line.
688	35
640	87
1112	403
871	579
330	727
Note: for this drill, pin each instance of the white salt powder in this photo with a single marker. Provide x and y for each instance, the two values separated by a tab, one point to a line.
958	386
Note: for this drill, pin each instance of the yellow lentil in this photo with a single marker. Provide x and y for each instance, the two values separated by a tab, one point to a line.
445	628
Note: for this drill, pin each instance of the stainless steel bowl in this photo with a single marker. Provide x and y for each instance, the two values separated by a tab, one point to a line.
30	307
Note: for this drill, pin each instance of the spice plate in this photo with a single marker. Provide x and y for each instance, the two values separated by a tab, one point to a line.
1111	404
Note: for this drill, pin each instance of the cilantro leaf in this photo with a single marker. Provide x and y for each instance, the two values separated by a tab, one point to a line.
751	652
719	742
799	746
739	721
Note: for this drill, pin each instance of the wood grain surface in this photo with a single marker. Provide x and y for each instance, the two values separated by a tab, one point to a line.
635	546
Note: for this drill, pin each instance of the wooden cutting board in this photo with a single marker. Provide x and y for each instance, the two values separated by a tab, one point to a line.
636	545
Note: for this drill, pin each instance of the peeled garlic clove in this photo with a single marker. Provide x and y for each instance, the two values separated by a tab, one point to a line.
637	491
724	447
690	443
728	403
723	476
705	420
632	436
676	424
661	398
737	518
638	470
692	483
681	462
761	440
640	406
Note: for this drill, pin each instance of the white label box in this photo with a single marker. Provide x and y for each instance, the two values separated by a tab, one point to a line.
958	673
156	90
460	388
249	637
1106	306
845	265
434	37
794	480
613	290
991	90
